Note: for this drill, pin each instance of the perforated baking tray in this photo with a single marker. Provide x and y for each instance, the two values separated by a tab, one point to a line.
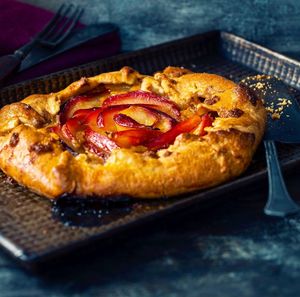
33	229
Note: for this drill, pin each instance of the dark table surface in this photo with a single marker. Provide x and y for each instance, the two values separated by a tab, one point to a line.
227	249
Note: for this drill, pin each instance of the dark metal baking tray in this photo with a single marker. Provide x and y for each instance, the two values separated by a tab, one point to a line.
33	229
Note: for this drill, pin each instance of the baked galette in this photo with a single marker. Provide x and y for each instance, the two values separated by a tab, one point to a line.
124	133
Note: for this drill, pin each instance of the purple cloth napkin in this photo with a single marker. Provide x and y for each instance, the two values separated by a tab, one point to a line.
21	21
18	23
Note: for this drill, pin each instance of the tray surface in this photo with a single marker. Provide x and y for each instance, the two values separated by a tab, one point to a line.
32	228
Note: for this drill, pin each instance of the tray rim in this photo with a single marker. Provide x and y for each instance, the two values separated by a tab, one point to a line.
221	34
193	198
120	56
205	196
225	34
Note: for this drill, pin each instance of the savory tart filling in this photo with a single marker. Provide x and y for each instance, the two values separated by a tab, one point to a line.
99	122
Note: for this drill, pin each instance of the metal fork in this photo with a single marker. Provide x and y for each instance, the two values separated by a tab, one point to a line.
55	32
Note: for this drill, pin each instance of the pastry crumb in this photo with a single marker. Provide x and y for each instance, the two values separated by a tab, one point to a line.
275	116
276	107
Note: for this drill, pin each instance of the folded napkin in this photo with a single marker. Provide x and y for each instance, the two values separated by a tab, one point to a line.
19	22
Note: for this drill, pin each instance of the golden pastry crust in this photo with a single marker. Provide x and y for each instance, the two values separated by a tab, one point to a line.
34	156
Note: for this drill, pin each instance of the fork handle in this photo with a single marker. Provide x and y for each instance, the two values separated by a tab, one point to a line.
279	201
9	64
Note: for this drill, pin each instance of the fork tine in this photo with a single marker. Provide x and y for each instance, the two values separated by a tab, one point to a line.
52	22
59	19
72	25
51	27
69	24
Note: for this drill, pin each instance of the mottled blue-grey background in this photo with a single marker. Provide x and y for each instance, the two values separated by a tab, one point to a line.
274	23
